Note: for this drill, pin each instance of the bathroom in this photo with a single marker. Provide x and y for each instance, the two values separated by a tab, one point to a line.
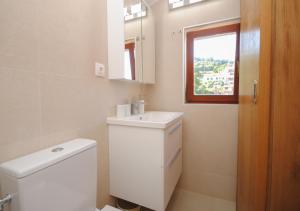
63	77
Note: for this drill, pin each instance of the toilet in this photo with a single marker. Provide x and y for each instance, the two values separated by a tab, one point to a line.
109	208
60	178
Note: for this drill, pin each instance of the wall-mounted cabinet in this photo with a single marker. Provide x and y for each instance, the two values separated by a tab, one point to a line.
131	41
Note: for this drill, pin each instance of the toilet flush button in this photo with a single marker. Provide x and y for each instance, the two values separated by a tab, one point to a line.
57	149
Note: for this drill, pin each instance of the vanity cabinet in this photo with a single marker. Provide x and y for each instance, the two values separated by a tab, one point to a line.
145	163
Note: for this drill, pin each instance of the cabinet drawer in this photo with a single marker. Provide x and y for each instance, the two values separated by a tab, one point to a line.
172	175
173	142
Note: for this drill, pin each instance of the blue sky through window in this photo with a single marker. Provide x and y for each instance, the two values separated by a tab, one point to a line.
217	47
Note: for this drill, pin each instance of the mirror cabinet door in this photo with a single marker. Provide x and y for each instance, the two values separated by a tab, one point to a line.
131	41
148	45
133	44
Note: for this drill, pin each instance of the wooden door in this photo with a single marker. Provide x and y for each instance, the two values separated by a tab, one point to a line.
254	116
285	178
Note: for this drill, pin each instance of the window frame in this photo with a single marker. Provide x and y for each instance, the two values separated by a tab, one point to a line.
190	97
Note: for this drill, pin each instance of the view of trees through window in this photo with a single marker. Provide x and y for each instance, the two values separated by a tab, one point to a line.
214	64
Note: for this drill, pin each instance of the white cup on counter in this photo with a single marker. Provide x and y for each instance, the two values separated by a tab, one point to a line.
123	110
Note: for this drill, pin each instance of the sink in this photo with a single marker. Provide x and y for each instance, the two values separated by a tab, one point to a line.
150	119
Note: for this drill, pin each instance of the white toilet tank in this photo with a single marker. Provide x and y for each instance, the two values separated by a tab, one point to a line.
61	178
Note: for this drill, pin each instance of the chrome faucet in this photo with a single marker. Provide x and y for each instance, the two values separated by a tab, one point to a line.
138	107
5	200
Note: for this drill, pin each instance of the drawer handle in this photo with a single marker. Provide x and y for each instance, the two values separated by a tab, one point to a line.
174	158
174	129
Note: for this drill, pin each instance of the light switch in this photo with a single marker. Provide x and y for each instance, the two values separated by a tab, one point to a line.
99	70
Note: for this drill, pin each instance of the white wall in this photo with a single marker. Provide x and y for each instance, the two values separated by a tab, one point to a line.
210	131
48	91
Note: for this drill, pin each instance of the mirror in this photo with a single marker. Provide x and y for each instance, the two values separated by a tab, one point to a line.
129	59
131	41
148	46
139	44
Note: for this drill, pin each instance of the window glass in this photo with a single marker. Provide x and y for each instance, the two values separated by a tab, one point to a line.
173	4
214	64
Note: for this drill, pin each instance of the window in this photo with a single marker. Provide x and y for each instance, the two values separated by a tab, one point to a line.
212	58
135	11
174	4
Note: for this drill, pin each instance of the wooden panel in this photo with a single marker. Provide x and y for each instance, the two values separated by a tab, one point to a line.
254	118
285	186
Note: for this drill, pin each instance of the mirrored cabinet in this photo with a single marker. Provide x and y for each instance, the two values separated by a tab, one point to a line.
131	41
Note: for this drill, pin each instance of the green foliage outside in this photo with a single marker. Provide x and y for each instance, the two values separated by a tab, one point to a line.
209	67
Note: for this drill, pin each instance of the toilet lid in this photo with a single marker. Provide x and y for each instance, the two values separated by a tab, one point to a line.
109	208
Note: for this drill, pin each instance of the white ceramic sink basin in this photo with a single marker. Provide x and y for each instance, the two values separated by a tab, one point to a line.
151	119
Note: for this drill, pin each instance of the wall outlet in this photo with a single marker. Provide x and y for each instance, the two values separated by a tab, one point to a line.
99	70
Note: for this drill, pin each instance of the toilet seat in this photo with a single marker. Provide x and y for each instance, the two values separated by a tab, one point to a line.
109	208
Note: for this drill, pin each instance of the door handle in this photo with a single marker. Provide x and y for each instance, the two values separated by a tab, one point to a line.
297	172
254	100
